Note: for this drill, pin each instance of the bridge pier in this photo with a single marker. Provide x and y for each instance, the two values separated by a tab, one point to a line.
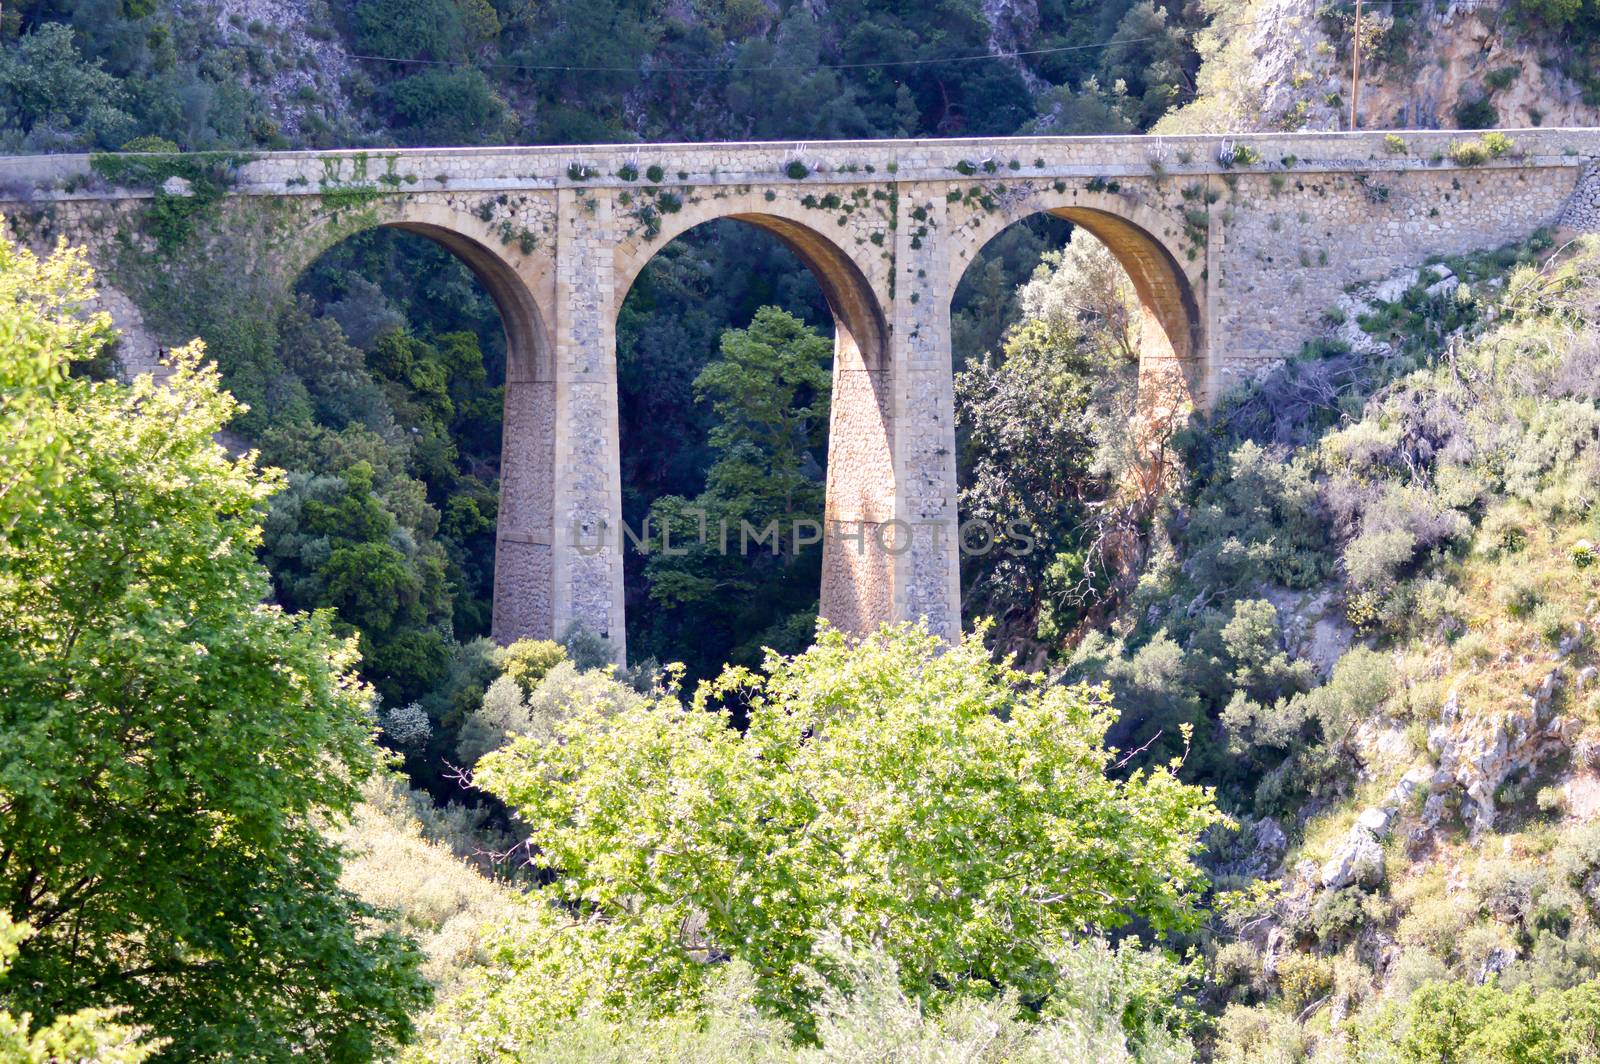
1235	245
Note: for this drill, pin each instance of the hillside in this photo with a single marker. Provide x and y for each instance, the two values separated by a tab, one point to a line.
1283	746
1286	64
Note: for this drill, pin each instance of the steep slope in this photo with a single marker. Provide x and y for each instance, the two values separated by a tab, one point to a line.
1285	64
1426	821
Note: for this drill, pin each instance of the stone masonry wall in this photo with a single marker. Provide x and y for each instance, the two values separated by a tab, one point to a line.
1236	245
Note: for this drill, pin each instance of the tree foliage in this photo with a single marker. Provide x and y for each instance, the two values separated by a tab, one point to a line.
944	808
171	741
769	392
86	1035
1043	428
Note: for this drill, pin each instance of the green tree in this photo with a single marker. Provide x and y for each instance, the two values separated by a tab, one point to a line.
56	98
91	1034
42	332
448	107
769	393
1045	433
894	792
172	744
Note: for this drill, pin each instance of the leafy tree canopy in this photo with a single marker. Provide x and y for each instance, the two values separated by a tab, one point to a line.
893	792
172	744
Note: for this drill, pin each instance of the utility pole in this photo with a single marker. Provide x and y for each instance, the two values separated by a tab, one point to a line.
1355	68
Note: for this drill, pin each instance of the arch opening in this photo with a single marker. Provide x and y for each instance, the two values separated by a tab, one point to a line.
1171	342
524	563
1063	425
453	338
809	274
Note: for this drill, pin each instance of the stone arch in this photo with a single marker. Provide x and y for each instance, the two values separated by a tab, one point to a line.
857	590
522	288
1174	368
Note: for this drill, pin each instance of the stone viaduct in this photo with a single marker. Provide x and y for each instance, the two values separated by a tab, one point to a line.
1235	245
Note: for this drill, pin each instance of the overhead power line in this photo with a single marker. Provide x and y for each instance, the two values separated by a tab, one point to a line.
646	70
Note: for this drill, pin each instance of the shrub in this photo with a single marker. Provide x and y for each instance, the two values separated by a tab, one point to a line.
1584	554
1304	978
1239	155
1476	112
561	692
1394	144
796	170
749	844
151	143
1446	1022
1251	1035
654	174
1501	77
446	106
870	1020
1237	966
1477	152
1549	619
1520	596
586	648
528	660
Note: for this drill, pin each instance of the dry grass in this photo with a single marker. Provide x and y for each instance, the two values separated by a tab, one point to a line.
436	897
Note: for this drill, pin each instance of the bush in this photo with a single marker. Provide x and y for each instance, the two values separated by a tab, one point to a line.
1304	978
749	844
409	29
1477	152
447	107
1253	1035
528	660
151	143
1475	112
564	691
1237	967
870	1020
1444	1023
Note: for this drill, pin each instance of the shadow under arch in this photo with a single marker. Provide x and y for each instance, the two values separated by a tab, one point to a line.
524	576
857	591
1173	370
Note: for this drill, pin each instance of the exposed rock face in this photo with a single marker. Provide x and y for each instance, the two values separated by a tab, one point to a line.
310	64
1367	298
1282	71
1314	625
1255	852
1013	26
1477	753
1358	861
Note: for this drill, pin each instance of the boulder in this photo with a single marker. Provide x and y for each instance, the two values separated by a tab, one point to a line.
1357	861
1375	820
